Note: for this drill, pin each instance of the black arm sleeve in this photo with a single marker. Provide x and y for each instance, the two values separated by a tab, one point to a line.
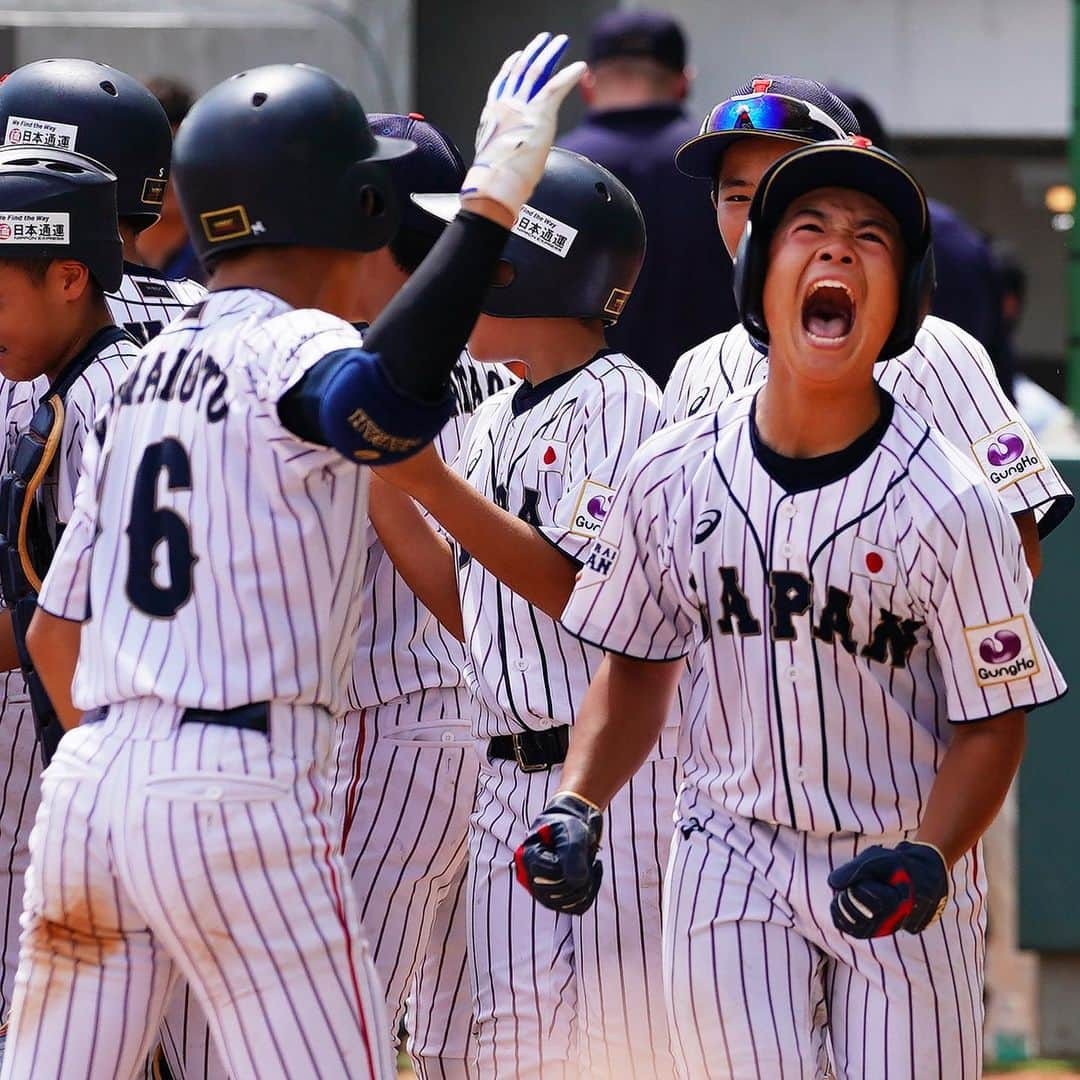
422	331
381	403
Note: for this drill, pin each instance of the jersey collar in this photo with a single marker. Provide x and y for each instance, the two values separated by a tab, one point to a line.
806	474
526	396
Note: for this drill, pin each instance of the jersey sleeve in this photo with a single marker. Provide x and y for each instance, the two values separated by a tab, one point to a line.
65	590
627	599
976	590
621	410
949	379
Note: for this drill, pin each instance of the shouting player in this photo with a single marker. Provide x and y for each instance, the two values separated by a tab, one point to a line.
862	597
554	996
946	376
216	556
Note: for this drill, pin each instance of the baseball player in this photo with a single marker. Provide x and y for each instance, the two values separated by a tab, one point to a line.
946	377
216	556
83	106
405	770
102	112
554	996
61	251
862	597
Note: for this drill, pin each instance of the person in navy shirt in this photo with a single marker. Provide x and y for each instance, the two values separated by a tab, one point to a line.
636	86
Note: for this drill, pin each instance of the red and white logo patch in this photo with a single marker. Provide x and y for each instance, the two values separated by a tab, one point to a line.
872	561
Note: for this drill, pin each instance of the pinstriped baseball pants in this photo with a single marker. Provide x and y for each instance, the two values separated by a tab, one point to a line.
557	996
750	954
205	853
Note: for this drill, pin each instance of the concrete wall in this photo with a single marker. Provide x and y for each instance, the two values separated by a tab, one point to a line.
934	67
203	42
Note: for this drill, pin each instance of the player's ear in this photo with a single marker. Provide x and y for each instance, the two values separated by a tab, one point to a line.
69	278
587	88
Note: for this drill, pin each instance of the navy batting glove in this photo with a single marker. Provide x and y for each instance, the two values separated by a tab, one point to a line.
557	863
887	889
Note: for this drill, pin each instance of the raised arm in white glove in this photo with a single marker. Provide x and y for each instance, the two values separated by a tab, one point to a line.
517	126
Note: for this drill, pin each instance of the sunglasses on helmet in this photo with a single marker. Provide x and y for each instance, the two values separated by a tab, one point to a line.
773	113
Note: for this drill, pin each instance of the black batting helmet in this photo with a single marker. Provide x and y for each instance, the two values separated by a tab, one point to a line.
59	205
95	110
283	155
844	163
575	250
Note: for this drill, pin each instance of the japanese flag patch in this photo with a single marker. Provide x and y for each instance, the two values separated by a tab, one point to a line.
552	455
872	561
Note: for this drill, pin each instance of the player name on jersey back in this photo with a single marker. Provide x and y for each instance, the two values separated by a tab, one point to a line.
227	553
147	301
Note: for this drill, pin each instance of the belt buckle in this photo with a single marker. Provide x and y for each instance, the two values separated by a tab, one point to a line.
522	764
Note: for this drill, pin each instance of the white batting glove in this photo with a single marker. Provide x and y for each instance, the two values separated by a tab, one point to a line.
517	126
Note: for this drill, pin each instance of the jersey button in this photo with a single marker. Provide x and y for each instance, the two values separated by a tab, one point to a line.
792	673
788	510
447	736
788	550
521	664
214	792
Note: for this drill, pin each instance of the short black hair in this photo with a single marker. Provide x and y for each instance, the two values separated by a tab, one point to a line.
35	267
176	97
410	247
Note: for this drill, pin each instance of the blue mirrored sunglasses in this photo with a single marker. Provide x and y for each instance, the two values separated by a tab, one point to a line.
773	113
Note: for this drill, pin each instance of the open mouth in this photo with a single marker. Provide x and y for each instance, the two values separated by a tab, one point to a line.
828	311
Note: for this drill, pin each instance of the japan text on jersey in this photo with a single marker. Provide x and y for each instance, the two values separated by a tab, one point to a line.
218	557
842	626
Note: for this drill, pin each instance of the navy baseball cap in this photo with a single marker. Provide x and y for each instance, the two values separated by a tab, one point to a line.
779	106
648	34
435	165
845	163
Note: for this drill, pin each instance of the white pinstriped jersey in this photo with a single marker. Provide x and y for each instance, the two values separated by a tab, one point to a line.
88	395
552	454
147	301
947	378
843	626
218	558
402	647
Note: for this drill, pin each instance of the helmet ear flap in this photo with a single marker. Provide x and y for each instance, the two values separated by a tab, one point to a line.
916	295
374	211
749	284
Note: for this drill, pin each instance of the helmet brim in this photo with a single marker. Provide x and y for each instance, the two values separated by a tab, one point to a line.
841	165
700	156
441	205
388	147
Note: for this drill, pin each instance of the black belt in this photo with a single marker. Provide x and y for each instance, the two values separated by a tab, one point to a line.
246	717
532	750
